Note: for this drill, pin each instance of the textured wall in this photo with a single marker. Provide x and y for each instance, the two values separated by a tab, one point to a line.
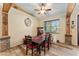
62	30
17	28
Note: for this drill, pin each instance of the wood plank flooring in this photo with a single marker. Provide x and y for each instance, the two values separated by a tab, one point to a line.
55	50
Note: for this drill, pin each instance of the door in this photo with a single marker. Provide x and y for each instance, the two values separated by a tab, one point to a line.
78	28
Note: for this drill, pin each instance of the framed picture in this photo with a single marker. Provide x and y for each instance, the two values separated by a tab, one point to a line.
27	22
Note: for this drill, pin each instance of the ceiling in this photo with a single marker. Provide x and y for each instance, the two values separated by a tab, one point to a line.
57	8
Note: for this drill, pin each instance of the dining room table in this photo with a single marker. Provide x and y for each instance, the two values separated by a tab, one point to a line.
38	40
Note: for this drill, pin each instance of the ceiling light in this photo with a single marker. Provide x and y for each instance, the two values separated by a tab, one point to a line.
43	9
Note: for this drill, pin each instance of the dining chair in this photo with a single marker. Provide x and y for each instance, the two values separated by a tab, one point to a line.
47	42
25	40
30	45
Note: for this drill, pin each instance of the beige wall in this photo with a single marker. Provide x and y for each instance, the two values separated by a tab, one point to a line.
17	28
74	30
0	24
61	35
62	31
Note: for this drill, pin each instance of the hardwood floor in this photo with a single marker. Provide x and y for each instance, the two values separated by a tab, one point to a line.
64	50
15	51
55	50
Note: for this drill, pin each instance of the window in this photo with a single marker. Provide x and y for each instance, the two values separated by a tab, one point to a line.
52	26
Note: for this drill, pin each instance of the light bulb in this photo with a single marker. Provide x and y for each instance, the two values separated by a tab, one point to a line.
42	11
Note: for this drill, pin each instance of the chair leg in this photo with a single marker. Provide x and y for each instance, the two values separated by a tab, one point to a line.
26	51
32	52
48	45
39	51
44	50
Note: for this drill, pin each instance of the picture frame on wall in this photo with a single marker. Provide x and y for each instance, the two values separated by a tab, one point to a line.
27	22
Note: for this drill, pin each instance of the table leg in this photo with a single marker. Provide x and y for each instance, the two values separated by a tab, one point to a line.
39	51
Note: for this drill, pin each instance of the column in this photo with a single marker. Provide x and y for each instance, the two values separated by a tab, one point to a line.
4	24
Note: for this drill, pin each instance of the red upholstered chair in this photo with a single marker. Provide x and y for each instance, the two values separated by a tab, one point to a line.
30	45
47	42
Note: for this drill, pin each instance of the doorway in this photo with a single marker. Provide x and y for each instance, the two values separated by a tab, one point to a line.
78	29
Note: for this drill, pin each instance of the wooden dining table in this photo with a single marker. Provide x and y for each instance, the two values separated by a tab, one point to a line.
39	40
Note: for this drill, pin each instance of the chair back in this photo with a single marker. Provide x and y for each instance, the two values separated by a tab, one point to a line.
28	39
48	38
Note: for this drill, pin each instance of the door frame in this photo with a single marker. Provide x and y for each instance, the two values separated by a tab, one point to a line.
78	30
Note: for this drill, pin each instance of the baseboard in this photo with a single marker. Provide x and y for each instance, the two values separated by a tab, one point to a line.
14	46
70	45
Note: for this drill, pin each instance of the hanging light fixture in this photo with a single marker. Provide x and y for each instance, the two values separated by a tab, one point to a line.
43	9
